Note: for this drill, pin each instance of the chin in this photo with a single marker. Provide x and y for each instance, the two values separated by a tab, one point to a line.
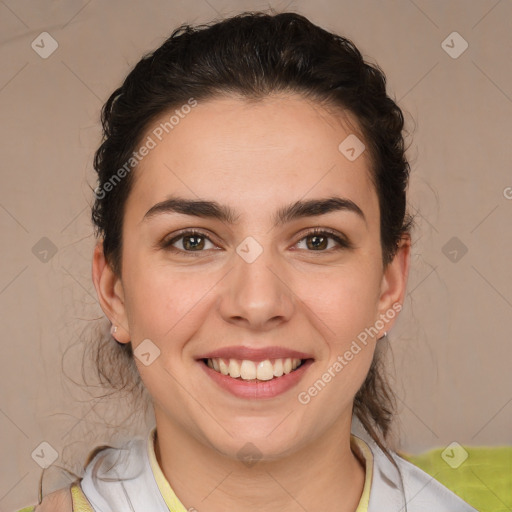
257	446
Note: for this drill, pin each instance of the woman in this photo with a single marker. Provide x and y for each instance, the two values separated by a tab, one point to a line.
253	251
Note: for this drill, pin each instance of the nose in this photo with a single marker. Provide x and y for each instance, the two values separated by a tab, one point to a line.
257	295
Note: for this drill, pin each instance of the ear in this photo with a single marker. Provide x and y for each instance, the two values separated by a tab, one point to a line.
394	284
109	289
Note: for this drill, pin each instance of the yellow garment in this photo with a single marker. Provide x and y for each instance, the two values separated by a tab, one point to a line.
484	479
175	505
363	450
80	502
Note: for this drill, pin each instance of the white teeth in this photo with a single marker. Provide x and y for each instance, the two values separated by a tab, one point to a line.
249	370
223	367
264	370
278	368
234	368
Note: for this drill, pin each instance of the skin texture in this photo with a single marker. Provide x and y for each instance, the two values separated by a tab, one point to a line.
254	158
57	501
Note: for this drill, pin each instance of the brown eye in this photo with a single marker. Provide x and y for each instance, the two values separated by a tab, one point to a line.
190	241
318	240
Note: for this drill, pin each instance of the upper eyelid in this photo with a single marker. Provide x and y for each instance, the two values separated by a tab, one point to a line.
185	232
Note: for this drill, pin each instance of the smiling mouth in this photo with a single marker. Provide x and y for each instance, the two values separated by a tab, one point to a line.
254	371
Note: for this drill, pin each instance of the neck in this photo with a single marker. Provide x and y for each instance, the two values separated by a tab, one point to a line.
324	475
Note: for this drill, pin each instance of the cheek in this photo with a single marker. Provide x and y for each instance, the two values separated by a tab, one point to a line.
345	301
162	301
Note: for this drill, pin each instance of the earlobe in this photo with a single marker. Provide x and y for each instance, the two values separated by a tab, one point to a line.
394	282
109	289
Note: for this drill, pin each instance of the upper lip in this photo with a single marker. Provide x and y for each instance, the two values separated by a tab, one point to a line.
255	354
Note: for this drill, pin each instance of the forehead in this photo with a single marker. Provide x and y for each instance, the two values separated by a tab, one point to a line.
252	154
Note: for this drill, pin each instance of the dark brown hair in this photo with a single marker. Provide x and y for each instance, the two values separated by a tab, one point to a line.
253	55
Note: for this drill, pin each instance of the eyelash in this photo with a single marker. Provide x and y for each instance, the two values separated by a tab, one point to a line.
343	243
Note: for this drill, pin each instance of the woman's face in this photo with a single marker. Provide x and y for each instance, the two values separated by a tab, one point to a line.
254	285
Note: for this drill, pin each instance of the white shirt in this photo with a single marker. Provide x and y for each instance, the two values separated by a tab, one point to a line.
122	480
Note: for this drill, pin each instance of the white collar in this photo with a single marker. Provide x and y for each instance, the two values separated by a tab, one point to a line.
121	480
408	490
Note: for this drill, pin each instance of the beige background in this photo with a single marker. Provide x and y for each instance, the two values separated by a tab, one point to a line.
451	346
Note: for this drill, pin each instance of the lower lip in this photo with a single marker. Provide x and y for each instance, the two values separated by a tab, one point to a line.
258	389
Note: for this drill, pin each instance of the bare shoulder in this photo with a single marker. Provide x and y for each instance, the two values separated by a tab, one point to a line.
57	501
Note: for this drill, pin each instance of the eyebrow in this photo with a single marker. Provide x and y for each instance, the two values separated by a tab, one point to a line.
214	210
